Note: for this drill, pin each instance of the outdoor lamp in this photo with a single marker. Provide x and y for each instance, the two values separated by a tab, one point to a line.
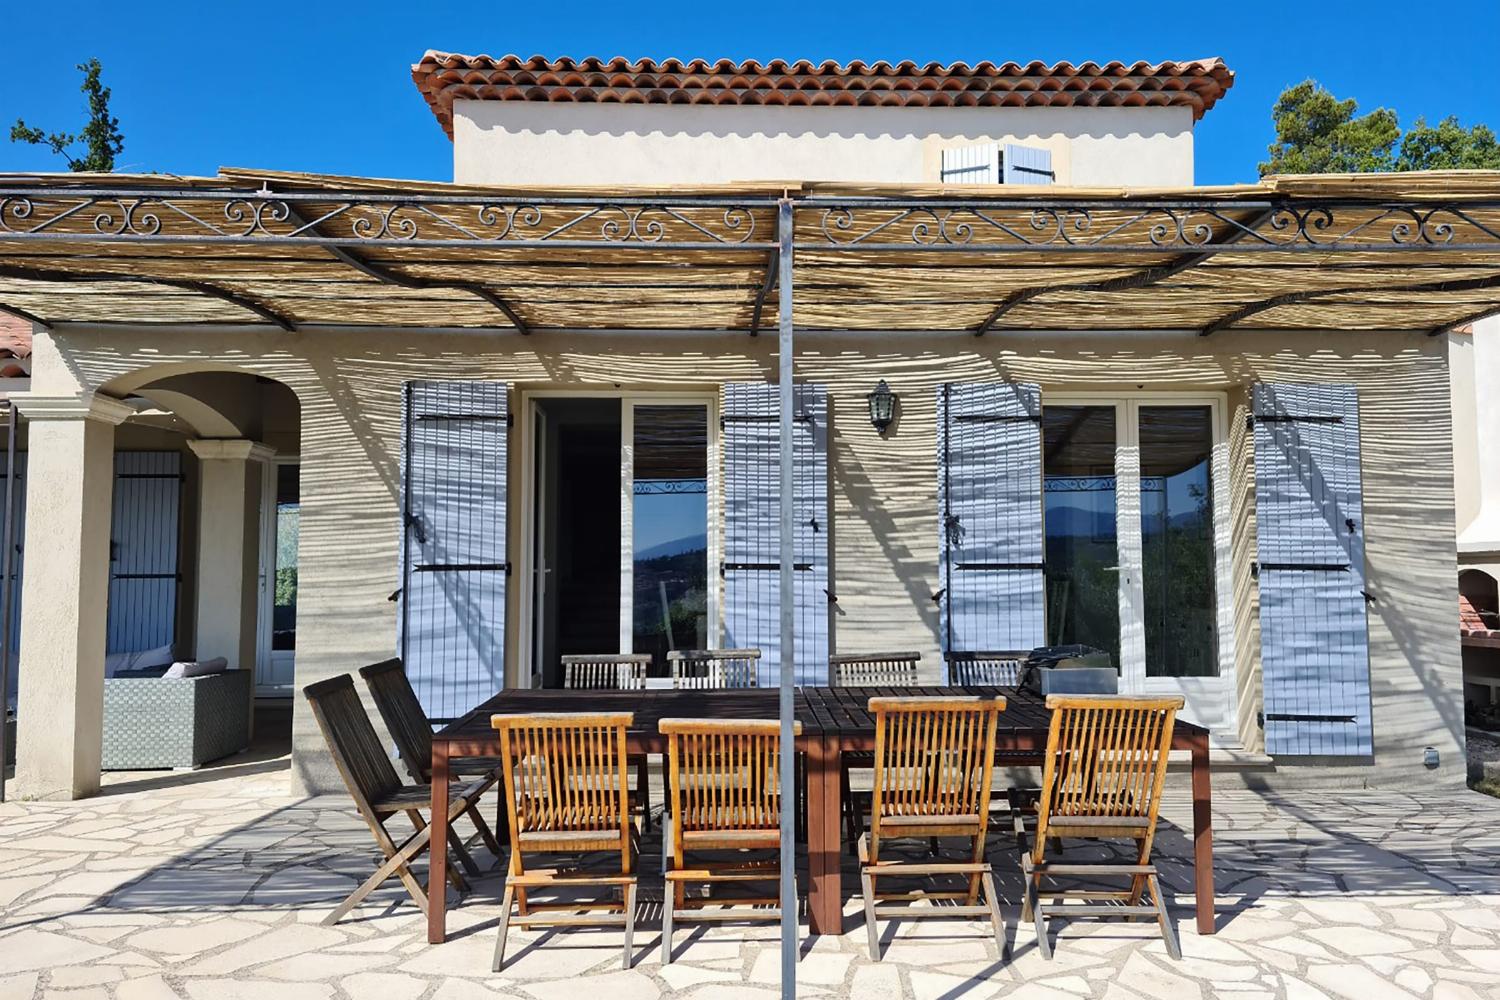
882	407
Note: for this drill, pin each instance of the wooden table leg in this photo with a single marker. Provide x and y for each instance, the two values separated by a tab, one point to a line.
825	909
437	858
1203	835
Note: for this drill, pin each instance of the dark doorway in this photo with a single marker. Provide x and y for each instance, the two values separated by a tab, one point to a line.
576	561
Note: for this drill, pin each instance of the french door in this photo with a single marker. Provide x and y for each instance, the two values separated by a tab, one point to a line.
1137	543
622	525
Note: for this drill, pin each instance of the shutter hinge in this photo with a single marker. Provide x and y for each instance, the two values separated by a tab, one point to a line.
1250	426
510	419
414	524
937	597
953	529
832	597
395	595
1369	597
1254	570
1260	720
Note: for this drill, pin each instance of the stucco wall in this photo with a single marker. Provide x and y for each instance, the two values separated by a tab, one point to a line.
349	385
534	143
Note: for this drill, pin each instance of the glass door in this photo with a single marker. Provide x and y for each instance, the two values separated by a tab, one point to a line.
1138	544
1080	511
665	594
1179	558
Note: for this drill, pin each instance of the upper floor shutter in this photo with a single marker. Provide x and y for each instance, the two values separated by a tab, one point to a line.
990	541
453	550
752	527
971	165
143	571
1027	165
1315	661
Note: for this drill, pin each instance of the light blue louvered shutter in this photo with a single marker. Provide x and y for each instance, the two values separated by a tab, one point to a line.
18	537
752	532
990	543
143	571
971	165
453	544
1315	658
1027	165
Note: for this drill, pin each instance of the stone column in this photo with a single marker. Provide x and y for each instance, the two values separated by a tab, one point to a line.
228	598
65	593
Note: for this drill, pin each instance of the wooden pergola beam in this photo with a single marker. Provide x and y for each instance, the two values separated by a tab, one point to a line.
1249	309
192	285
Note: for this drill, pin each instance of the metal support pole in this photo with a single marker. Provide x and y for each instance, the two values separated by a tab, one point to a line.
788	673
7	564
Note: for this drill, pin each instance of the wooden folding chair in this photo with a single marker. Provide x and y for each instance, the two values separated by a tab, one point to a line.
378	792
725	781
1102	778
714	668
934	758
615	672
874	669
984	668
407	723
867	670
566	789
605	671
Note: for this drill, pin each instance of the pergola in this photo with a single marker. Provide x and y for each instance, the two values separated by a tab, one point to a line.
1361	252
298	251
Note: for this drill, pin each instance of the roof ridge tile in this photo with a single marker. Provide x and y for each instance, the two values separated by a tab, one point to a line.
442	77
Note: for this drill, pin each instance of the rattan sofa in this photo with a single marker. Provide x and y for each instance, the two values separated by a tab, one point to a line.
175	722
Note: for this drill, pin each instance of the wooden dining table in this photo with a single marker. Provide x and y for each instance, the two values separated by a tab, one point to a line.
835	720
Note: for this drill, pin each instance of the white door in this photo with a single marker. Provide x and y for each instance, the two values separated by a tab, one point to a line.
1138	543
280	510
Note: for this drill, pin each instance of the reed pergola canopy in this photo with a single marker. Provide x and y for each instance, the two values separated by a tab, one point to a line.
1335	252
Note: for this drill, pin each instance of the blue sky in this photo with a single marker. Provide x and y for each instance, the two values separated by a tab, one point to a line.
326	86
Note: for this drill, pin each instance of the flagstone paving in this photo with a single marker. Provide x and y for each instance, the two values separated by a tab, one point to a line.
210	887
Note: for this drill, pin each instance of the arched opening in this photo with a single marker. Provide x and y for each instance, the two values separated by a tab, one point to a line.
202	569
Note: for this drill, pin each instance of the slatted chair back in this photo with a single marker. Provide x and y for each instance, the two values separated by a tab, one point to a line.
725	781
988	668
875	669
714	668
933	762
402	713
606	672
1105	763
356	748
565	781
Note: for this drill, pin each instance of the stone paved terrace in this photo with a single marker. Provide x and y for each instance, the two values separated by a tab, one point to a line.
210	886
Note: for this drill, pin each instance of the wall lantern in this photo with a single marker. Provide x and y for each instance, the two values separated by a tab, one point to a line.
882	407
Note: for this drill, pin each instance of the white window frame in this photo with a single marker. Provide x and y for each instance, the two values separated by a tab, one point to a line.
521	666
1133	677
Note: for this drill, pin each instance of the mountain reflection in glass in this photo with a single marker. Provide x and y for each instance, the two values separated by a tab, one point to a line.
1083	554
1177	541
670	529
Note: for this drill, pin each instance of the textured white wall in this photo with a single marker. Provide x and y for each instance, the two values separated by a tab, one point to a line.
533	143
885	530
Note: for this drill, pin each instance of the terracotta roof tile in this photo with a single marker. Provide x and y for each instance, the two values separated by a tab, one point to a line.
444	77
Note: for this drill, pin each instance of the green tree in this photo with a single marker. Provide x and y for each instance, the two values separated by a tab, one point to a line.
101	137
1316	133
1448	146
